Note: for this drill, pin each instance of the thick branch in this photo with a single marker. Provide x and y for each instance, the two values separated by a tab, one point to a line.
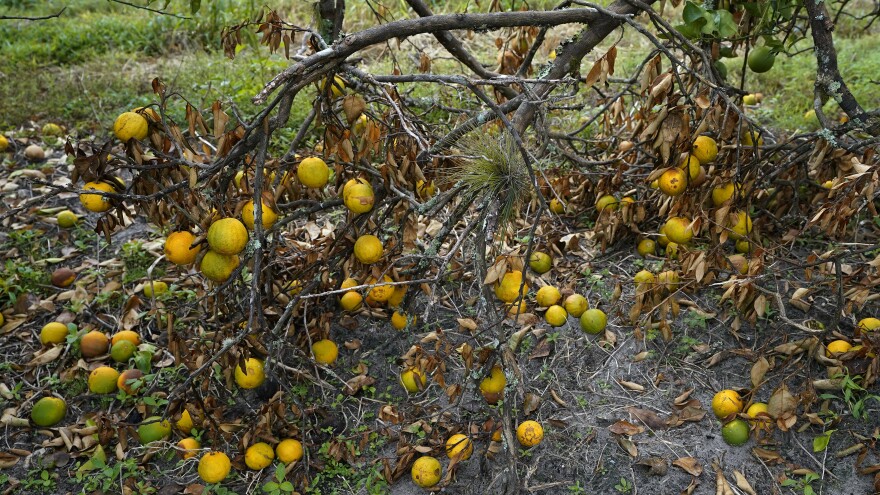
828	78
349	45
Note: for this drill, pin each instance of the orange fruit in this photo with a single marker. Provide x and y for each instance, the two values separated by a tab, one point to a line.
426	471
606	203
66	219
722	194
678	230
359	197
556	315
52	333
289	450
218	267
126	380
736	432
325	351
351	301
268	215
48	411
529	433
540	262
557	206
214	467
368	249
413	380
691	165
252	376
188	447
575	305
593	321
103	380
742	227
705	149
259	456
646	247
129	335
725	403
94	344
507	289
493	385
761	59
460	447
837	347
178	250
381	293
185	423
547	296
313	172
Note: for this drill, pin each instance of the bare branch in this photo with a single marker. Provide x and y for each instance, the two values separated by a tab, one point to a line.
155	11
43	18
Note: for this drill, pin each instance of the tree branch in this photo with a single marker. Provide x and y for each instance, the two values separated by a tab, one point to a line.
43	18
828	78
155	11
345	47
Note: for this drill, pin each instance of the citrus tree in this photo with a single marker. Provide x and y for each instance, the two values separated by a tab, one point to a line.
460	202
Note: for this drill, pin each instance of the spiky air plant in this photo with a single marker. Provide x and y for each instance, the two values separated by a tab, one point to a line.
494	174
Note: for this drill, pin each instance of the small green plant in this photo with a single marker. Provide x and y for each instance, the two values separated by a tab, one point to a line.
802	485
576	488
279	486
624	486
39	480
855	396
20	277
137	261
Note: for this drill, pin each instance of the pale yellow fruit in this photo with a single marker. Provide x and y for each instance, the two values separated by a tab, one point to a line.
426	471
508	288
606	203
218	267
751	138
576	304
259	456
540	262
66	219
722	194
154	288
669	280
188	447
460	447
673	182
252	376
869	324
548	296
351	301
289	450
313	172
593	321
644	277
646	247
4	143
742	227
705	149
691	165
103	380
185	423
368	249
400	320
678	230
493	385
556	316
130	125
227	236
557	206
413	380
837	347
268	216
758	411
52	333
359	197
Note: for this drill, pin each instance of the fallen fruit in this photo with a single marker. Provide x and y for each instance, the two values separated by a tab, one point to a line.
529	433
426	471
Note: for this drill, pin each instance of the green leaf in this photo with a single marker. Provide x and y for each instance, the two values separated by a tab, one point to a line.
820	443
195	5
726	24
692	12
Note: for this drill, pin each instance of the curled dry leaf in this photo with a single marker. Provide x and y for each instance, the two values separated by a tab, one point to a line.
658	466
625	428
690	464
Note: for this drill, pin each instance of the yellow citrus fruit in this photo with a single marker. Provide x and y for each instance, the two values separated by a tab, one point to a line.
540	262
259	455
742	227
672	250
66	219
325	351
93	344
214	467
400	320
593	321
507	289
557	206
837	347
122	351
722	194
705	149
185	423
218	267
178	250
148	113
759	408
154	288
153	429
130	125
227	236
425	190
673	182
252	376
4	143
556	315
413	380
289	450
493	385
313	172
460	447
381	293
336	88
644	277
751	138
607	202
426	471
761	59
351	301
736	432
547	296
397	296
725	403
268	215
52	129
48	411
691	165
575	305
95	202
359	197
868	324
743	246
646	247
368	249
53	333
668	279
349	283
678	230
102	380
529	433
129	335
750	99
128	381
188	447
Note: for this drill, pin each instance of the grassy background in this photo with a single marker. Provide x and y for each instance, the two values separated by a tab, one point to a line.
99	57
